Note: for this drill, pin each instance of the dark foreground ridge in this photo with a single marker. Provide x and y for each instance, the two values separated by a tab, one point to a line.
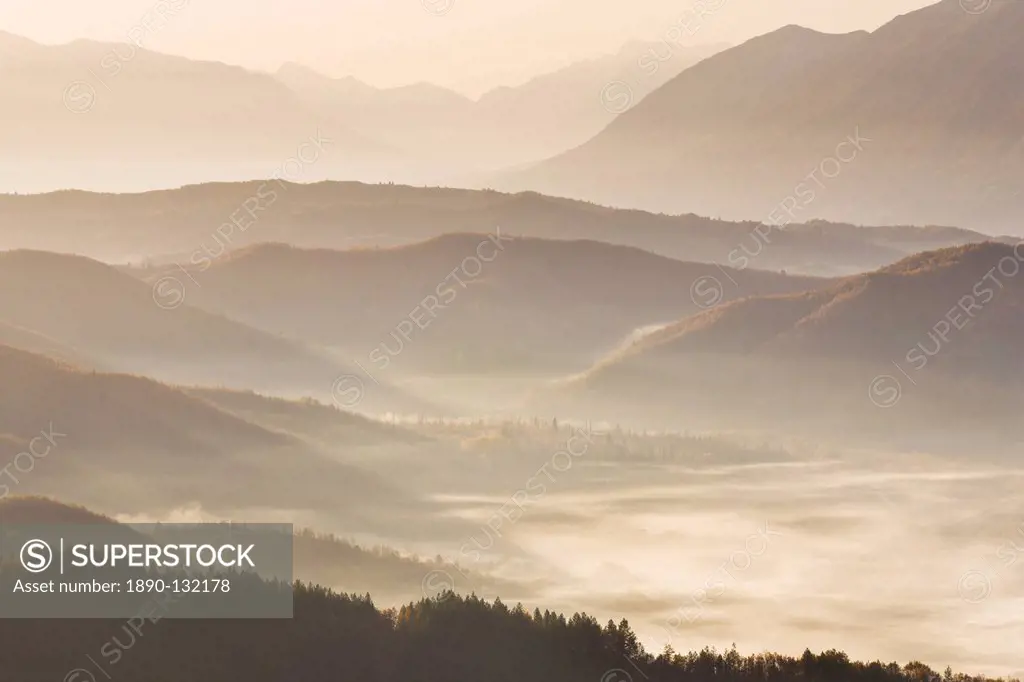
448	638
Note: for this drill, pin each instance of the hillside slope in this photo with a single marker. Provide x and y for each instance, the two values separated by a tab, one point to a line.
129	326
468	302
93	437
925	353
917	122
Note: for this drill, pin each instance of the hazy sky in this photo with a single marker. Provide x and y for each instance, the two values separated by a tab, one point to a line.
465	44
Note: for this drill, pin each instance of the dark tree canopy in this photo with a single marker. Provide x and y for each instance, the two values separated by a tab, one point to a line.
445	639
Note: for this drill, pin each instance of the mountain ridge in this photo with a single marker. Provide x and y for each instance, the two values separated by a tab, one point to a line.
181	225
938	369
935	90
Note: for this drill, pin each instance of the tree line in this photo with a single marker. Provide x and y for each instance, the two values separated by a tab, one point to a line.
448	638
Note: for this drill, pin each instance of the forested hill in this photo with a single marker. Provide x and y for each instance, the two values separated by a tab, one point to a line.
444	639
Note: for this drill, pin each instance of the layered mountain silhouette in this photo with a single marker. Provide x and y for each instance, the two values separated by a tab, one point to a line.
507	125
34	342
462	302
925	109
71	307
124	437
320	424
118	116
90	114
694	291
196	225
94	408
973	290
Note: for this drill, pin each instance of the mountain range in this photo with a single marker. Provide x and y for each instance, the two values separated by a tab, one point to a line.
778	349
77	308
580	339
143	443
120	116
506	126
196	225
448	305
916	122
117	116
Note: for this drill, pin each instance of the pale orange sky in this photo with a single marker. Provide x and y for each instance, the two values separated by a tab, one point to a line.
468	45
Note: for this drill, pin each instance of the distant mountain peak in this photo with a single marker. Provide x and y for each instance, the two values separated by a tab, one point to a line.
297	70
795	34
423	90
797	29
733	133
296	67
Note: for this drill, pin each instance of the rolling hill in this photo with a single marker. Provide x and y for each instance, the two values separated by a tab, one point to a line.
119	321
961	306
33	342
925	351
467	302
155	447
197	224
28	509
323	425
916	122
95	408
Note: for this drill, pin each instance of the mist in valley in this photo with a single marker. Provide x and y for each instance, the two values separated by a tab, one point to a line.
573	334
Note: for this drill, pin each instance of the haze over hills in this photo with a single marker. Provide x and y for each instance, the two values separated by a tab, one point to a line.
197	224
942	353
912	123
123	324
470	291
34	342
321	424
505	126
771	429
331	631
917	294
970	294
44	392
735	135
120	117
90	114
117	436
320	558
